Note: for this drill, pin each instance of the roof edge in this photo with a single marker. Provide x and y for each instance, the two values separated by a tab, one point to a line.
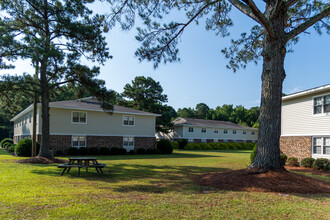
307	92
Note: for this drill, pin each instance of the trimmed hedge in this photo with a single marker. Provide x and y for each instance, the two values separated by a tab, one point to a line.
104	151
165	147
93	151
307	162
220	146
6	140
73	151
320	163
83	151
24	147
11	148
292	161
182	143
327	166
175	145
141	151
118	151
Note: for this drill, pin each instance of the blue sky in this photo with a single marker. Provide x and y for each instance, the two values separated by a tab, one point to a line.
202	76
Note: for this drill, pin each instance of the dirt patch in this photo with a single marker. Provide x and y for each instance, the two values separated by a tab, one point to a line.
308	170
272	181
42	160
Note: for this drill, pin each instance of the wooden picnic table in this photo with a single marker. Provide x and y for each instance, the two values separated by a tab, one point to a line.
82	162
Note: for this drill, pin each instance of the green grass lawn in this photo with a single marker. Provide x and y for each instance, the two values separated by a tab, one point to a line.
144	187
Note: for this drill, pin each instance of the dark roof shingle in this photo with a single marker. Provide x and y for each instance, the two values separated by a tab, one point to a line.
209	123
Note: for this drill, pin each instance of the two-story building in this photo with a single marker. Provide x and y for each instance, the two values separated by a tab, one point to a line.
83	123
305	123
205	131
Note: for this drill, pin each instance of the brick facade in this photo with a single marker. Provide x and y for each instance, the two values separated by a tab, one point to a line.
144	142
105	141
59	143
296	146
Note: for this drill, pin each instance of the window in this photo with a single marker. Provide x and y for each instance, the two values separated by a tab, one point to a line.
190	129
191	140
225	141
128	142
203	141
317	145
253	132
216	131
79	117
322	104
128	120
203	130
244	132
78	141
326	146
234	131
225	131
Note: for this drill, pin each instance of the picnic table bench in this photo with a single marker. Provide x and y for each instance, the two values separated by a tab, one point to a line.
82	162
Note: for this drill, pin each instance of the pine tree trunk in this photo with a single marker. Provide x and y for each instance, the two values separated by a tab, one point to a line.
267	155
44	89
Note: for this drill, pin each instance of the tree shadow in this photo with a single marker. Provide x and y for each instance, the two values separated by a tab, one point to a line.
152	178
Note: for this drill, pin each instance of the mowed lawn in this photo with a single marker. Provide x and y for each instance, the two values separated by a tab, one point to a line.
144	187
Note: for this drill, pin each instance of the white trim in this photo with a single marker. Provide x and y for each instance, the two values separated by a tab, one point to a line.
207	126
128	147
28	109
320	114
99	135
309	135
321	155
307	92
79	123
128	121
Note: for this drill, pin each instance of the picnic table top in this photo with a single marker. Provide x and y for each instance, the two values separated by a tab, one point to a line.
82	158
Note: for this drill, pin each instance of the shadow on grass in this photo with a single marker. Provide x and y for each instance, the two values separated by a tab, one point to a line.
150	178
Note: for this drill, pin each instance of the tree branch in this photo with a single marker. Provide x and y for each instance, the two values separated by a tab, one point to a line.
311	21
261	17
289	3
278	7
244	9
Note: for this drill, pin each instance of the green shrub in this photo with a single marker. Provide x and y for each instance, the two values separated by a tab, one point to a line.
307	162
182	143
132	152
93	151
192	146
164	146
150	151
6	145
83	151
24	148
292	161
11	148
253	153
141	151
327	166
59	153
73	151
320	163
175	145
283	158
6	140
118	151
104	151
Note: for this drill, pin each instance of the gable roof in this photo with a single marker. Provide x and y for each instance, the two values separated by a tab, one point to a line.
325	88
86	105
209	123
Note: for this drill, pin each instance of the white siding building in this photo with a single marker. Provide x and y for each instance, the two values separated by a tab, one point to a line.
306	123
201	130
83	123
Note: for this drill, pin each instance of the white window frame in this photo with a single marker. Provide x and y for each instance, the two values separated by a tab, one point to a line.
191	128
30	118
234	132
128	147
216	131
129	116
203	140
78	141
203	130
225	131
322	154
253	132
82	123
244	131
191	141
322	113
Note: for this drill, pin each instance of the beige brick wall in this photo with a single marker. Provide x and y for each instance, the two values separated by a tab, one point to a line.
296	146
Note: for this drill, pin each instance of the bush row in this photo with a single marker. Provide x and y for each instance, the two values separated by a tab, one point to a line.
23	148
320	163
216	146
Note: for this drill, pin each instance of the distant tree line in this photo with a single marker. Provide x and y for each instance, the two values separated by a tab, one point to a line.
238	114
